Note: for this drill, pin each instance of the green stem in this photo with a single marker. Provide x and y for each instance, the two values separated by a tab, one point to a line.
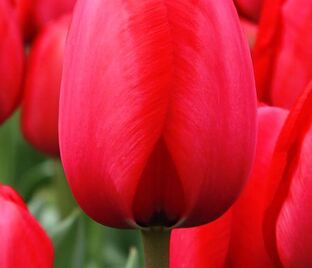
156	247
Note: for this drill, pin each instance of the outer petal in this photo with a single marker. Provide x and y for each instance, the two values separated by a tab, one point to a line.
210	127
201	247
113	101
247	247
150	94
42	87
11	62
23	242
283	42
235	239
289	217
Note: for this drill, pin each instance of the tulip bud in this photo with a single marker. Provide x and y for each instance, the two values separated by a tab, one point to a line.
11	62
42	87
23	242
157	111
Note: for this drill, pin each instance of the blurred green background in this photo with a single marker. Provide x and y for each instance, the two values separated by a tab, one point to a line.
78	241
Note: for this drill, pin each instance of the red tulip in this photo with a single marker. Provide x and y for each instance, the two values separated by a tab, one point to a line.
287	228
42	87
235	239
23	242
11	62
157	111
249	9
282	54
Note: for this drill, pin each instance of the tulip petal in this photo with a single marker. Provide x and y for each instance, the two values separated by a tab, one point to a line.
289	218
117	91
201	247
212	111
23	242
236	238
247	243
11	62
40	102
284	41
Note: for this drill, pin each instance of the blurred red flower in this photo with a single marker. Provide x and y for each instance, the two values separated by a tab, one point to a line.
40	102
11	62
23	242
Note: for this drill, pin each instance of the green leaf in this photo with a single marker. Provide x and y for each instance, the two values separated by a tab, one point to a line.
69	242
133	259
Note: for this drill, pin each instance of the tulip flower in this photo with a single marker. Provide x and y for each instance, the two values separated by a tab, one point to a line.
282	54
249	9
42	87
11	62
235	239
23	242
157	111
289	217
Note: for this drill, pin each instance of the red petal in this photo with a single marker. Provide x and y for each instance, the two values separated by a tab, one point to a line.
11	62
267	46
42	88
23	242
235	239
210	130
114	101
247	244
284	41
288	218
201	247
